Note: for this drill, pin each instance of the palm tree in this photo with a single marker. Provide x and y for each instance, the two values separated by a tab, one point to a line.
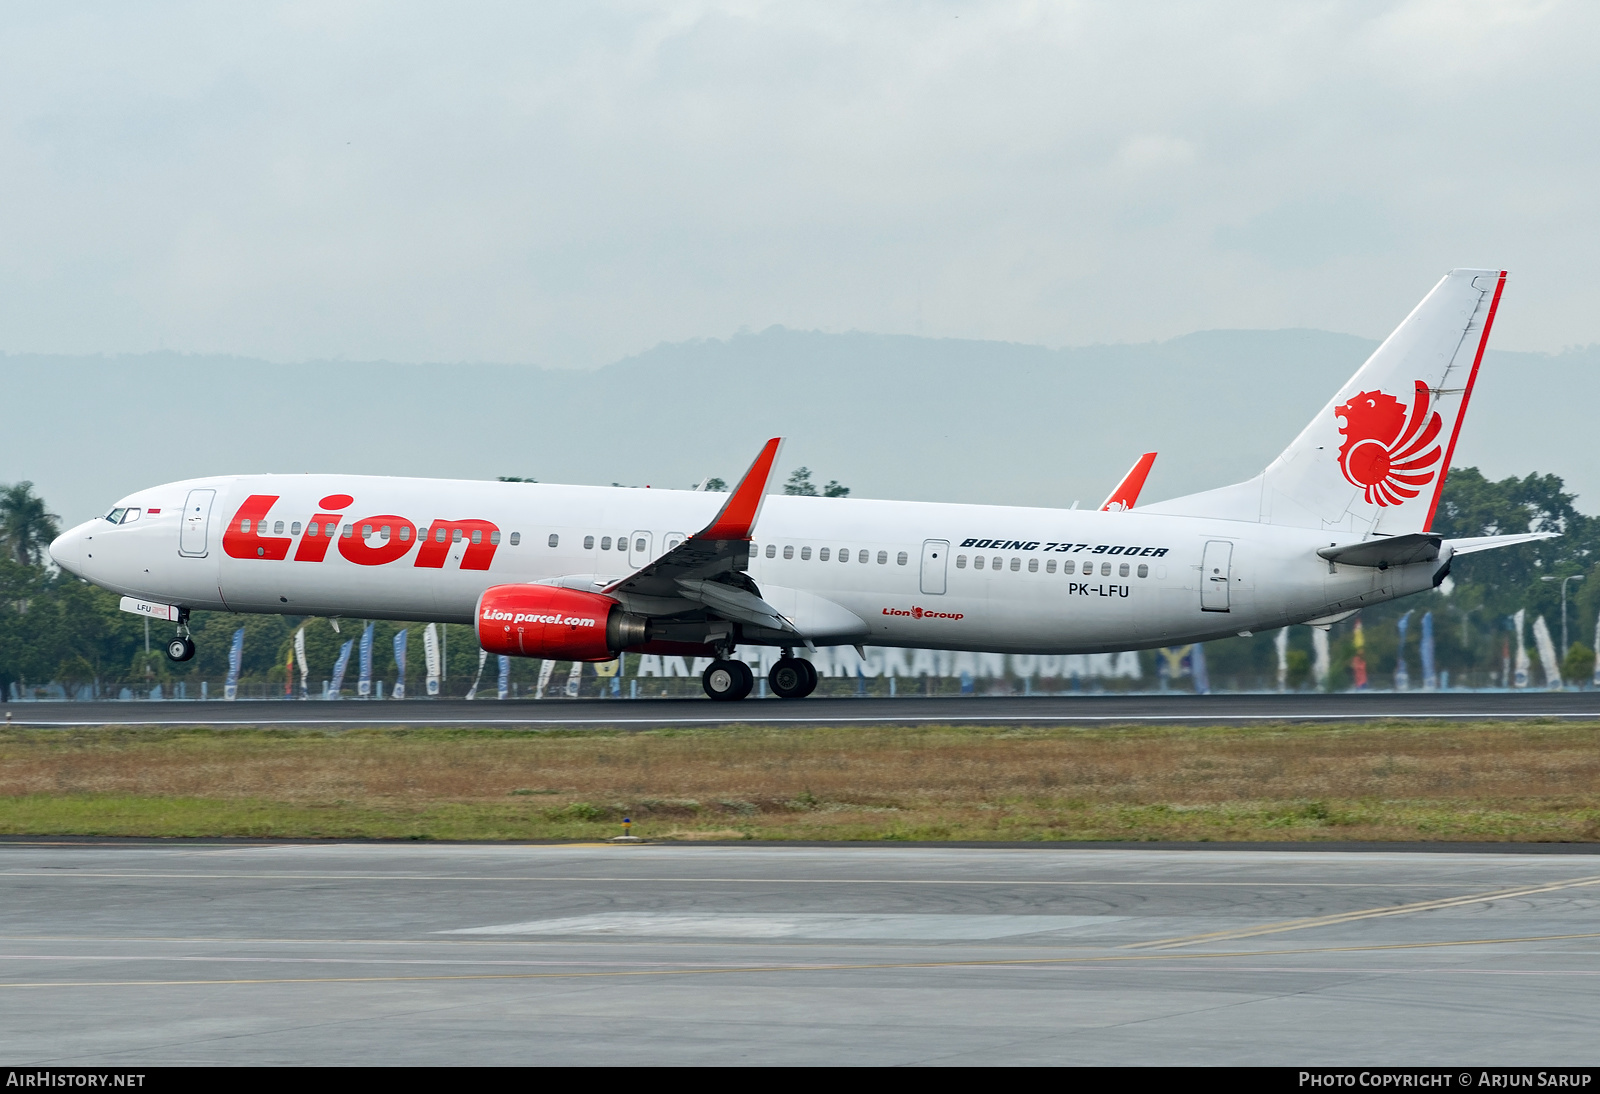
26	528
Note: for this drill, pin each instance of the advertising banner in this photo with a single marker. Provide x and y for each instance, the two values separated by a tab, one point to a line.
1547	654
230	687
339	668
503	687
400	663
1430	674
472	692
430	655
300	659
364	681
1519	671
1402	678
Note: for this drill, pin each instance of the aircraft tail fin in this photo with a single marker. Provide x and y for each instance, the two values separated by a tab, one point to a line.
1374	459
1126	494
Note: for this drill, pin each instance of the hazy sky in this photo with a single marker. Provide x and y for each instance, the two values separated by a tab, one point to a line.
564	184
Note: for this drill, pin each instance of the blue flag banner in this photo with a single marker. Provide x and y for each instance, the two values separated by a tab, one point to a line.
1197	669
400	664
1430	676
339	668
504	688
1402	677
364	681
230	687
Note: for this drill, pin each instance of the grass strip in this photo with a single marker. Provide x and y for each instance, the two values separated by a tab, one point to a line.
1489	781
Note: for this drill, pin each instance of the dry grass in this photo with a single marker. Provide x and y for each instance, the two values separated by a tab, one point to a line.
1480	781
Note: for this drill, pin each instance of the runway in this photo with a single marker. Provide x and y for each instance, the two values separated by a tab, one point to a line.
992	710
134	954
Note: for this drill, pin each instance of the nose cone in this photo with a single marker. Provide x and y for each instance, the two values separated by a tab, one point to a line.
70	550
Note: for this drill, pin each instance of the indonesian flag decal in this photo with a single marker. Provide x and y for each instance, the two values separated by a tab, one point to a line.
1387	451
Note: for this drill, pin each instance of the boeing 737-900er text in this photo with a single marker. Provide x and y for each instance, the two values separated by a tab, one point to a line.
1339	521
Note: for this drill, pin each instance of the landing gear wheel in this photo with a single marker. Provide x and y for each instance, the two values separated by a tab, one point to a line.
728	680
792	678
180	648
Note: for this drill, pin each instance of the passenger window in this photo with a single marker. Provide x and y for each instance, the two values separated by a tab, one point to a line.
1033	565
1016	564
863	555
554	539
1144	570
605	543
294	529
844	554
516	538
244	525
329	528
313	529
588	543
477	536
673	539
901	558
961	562
772	550
788	550
639	544
366	530
383	533
805	554
347	532
883	558
494	537
1122	571
977	562
996	562
822	555
1105	569
1050	566
455	535
1069	567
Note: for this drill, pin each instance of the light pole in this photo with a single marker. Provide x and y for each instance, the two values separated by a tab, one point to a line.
1563	580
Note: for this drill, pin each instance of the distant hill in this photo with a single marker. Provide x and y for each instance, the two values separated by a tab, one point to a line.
888	415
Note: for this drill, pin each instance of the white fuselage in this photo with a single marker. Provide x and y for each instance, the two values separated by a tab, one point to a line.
1050	581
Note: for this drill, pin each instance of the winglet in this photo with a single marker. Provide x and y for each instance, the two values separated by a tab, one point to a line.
1126	495
738	516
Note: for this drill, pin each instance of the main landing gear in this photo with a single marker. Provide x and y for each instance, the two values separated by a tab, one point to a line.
792	677
181	647
727	679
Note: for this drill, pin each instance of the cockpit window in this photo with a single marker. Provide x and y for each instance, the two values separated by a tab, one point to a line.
130	516
122	516
115	516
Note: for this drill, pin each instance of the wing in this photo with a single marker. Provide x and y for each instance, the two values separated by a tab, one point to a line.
707	570
1126	495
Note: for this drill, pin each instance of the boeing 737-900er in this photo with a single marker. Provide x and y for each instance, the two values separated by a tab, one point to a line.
1338	521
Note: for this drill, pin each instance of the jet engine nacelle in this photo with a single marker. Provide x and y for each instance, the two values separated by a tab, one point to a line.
560	624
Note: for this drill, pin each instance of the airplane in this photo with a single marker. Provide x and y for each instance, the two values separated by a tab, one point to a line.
1339	521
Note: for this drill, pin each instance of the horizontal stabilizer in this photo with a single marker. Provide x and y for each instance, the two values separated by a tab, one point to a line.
1386	552
1489	543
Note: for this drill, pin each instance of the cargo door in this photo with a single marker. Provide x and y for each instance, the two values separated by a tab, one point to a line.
195	531
935	557
1216	574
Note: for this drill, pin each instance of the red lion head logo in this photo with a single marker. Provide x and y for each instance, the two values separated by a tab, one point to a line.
1386	451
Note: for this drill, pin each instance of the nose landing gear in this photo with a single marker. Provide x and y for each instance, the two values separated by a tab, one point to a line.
792	677
181	647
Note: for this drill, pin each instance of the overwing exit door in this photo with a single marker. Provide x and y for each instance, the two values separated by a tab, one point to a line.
194	532
1216	574
639	549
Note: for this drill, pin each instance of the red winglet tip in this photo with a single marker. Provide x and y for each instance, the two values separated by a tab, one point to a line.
1126	495
738	515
